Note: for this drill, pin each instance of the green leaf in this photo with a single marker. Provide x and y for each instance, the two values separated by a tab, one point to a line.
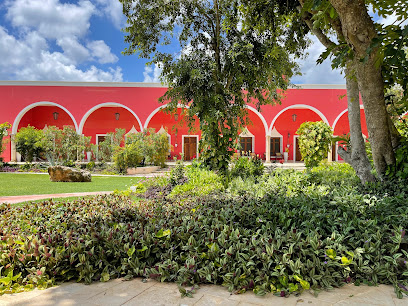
331	253
131	251
163	233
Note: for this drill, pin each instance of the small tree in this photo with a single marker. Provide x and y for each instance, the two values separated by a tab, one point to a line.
28	142
315	139
107	147
154	147
3	133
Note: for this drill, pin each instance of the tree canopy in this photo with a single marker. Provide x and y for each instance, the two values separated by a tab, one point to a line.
222	60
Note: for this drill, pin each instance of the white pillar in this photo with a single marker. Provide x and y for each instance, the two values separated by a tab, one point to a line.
268	149
329	155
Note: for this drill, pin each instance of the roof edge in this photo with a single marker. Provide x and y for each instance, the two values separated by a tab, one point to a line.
141	84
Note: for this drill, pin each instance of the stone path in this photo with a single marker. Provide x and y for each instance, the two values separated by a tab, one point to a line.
33	197
151	293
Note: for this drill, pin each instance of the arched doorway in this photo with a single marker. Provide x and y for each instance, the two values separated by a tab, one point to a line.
341	127
41	115
287	122
108	117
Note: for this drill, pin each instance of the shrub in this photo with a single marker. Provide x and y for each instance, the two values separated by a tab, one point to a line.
247	166
315	139
199	182
112	141
303	232
28	142
3	133
90	166
129	156
153	146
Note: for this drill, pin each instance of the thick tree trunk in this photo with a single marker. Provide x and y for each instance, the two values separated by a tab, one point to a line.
359	30
357	156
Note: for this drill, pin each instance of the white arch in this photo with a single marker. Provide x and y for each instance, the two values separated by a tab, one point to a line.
301	106
341	114
42	103
260	117
157	110
107	104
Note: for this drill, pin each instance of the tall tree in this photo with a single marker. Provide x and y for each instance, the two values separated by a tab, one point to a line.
360	53
224	61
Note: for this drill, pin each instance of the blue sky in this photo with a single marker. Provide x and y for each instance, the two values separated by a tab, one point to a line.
58	40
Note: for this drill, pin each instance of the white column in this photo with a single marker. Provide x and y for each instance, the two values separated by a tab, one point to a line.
268	149
329	156
13	149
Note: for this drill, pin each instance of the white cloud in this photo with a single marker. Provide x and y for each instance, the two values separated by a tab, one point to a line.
73	49
29	53
152	75
317	74
102	52
51	18
29	58
113	10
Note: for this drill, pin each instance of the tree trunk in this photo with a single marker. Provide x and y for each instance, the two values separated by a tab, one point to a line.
357	156
359	30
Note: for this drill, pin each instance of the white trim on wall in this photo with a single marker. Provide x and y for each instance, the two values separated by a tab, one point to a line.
182	143
33	105
146	125
341	114
265	124
107	104
142	84
299	106
96	138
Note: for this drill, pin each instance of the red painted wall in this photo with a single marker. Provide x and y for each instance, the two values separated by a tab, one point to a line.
40	116
78	100
171	125
103	121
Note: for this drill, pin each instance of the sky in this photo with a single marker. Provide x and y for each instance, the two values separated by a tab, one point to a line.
81	40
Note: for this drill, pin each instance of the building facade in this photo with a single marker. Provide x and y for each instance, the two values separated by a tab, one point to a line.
95	109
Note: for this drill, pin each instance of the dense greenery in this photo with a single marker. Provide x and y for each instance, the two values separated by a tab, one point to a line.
28	142
3	132
223	61
57	146
315	139
144	148
285	232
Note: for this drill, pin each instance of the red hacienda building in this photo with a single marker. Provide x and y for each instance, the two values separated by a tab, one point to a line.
95	109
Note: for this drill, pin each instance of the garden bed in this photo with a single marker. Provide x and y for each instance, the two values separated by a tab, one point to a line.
283	232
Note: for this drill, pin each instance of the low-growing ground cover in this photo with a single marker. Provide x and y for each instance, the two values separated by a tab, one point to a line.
284	232
13	184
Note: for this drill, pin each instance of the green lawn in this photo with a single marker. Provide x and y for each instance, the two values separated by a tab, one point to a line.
12	184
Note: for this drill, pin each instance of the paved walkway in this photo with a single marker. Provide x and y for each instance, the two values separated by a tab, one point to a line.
33	197
151	293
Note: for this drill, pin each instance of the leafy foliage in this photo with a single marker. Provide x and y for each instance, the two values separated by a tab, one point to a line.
154	147
142	148
304	232
224	62
112	141
3	132
28	142
64	146
315	139
247	166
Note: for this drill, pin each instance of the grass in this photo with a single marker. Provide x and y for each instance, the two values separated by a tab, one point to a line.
13	184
